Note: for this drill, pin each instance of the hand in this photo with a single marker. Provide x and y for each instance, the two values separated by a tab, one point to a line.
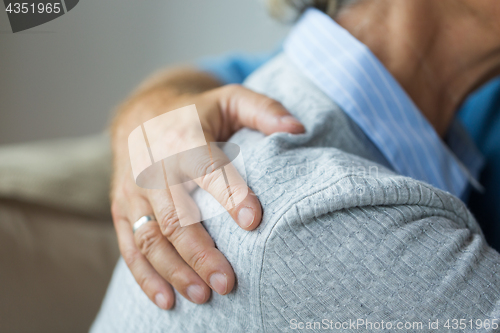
164	255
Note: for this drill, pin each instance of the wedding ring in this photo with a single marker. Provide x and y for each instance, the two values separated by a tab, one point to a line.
143	220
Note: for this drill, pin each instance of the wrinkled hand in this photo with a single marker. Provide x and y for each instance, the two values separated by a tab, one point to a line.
164	255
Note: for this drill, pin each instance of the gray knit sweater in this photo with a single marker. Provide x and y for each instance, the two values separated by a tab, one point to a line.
345	244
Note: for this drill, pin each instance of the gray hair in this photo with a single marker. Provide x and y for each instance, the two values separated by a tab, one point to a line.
289	10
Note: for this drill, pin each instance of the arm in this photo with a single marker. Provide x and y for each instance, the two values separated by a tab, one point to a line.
161	255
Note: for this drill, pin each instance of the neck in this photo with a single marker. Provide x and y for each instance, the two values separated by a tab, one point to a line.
439	51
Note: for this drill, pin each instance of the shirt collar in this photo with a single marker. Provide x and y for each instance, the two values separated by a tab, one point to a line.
350	74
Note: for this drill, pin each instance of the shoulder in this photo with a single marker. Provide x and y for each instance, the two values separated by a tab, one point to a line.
350	244
292	177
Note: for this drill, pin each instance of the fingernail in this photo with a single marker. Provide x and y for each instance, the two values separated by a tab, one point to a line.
297	127
218	282
161	301
290	120
196	293
245	217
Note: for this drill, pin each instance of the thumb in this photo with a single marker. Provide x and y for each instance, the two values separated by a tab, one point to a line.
243	107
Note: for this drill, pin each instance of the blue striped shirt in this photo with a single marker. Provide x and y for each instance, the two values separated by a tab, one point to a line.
350	74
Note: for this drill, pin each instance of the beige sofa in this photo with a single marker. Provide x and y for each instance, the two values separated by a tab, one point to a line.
57	243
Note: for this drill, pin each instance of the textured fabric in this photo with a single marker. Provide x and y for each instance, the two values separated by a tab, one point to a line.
480	115
342	237
350	74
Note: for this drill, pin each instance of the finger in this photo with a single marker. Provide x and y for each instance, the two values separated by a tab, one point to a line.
153	285
245	108
169	264
193	243
163	256
213	171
